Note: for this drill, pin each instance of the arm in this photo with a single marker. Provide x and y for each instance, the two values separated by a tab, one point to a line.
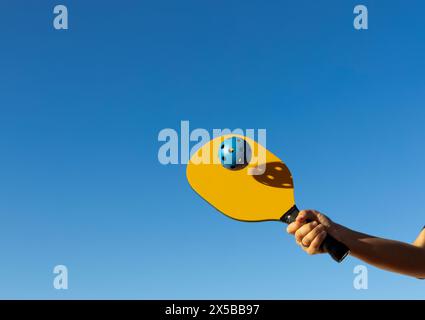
390	255
395	256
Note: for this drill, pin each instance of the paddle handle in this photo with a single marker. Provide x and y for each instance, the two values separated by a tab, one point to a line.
337	250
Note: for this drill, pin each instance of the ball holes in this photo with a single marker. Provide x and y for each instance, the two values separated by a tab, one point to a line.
223	158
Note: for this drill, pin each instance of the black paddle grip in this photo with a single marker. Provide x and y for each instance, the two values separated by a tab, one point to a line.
337	250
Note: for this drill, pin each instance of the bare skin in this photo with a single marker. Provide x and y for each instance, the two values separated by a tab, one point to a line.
390	255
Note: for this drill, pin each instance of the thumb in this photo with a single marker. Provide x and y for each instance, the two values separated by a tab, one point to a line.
311	215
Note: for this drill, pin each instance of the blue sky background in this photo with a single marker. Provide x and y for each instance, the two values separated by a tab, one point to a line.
80	111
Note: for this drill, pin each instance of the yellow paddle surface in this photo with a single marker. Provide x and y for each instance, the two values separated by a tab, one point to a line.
242	194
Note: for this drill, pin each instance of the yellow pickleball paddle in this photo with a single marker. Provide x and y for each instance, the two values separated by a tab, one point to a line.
262	191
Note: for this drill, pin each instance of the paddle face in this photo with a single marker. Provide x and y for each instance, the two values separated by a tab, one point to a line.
240	194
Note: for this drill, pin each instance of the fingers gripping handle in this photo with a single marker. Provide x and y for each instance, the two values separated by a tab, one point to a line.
337	250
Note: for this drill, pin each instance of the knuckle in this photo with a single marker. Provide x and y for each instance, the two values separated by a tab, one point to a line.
298	235
307	240
315	245
313	224
299	238
320	228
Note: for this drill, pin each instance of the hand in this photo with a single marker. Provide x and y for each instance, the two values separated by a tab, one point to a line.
310	235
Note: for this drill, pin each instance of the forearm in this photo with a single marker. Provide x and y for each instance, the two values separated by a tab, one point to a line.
385	254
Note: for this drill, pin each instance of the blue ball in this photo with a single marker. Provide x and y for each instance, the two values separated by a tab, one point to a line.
234	153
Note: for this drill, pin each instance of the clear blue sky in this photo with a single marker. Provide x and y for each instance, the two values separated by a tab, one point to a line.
80	111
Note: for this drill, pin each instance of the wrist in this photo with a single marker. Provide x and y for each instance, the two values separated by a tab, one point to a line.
337	231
